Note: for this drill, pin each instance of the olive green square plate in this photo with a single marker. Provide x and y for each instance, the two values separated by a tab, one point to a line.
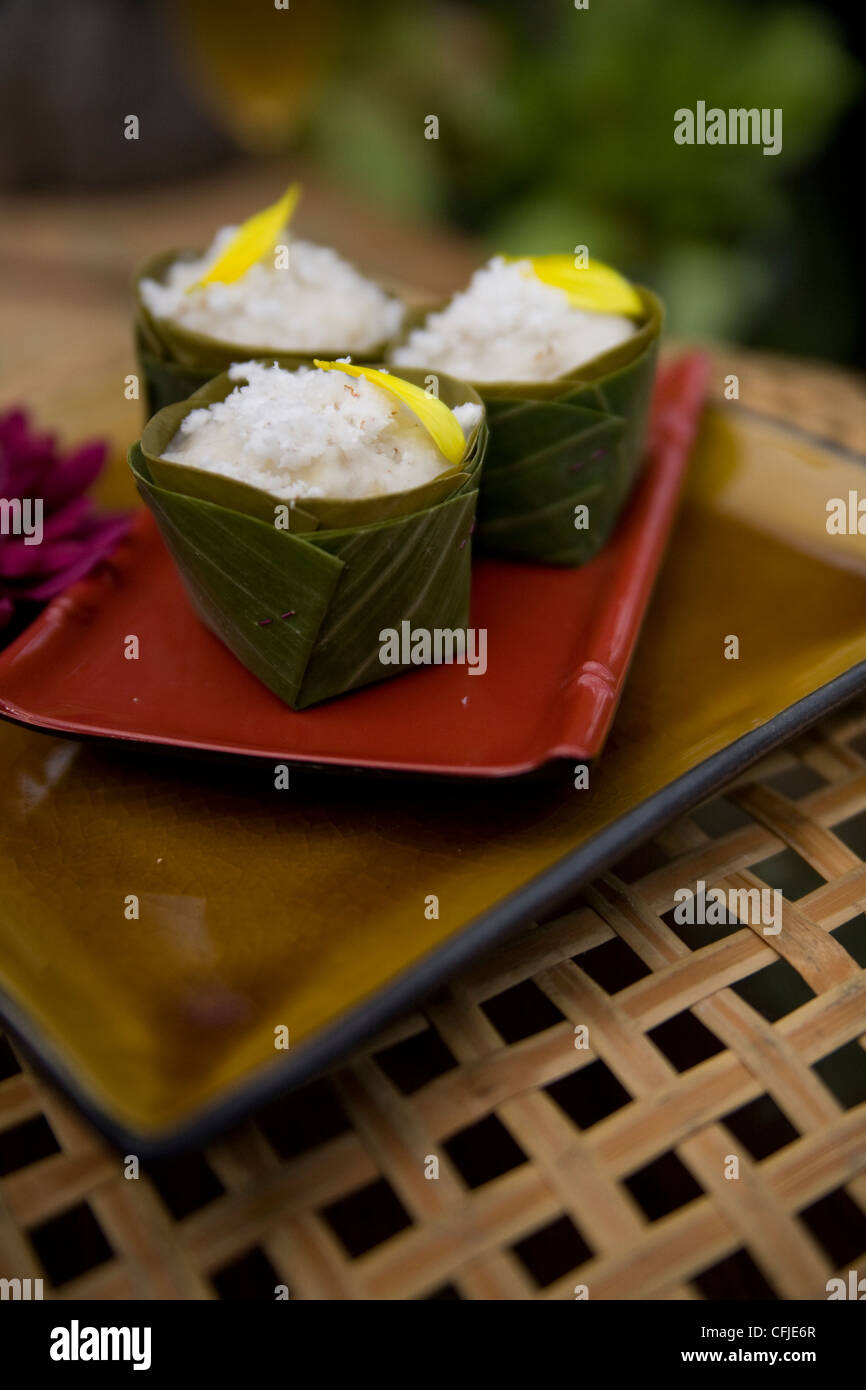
162	922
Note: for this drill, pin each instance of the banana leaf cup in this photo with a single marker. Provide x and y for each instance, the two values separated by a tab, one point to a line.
175	361
574	441
303	608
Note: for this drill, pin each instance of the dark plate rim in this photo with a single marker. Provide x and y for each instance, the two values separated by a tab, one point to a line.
544	893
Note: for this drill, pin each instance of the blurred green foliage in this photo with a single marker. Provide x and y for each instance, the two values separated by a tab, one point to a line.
556	129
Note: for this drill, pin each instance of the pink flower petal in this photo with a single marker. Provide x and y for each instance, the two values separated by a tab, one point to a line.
71	476
67	519
81	565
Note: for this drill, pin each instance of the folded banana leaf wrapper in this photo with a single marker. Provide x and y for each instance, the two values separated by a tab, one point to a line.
556	445
303	608
174	361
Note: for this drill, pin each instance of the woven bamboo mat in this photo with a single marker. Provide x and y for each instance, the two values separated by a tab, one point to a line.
558	1166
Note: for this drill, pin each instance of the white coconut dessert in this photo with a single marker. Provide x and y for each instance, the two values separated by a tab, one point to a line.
301	298
314	433
511	325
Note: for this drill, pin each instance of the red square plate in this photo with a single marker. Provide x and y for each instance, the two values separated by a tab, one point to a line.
558	648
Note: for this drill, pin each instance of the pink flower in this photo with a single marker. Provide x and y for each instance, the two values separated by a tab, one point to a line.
50	534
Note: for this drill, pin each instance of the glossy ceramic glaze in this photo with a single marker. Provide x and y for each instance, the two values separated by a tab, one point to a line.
260	908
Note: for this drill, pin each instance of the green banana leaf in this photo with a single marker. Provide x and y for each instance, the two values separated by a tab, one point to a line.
303	608
555	445
174	361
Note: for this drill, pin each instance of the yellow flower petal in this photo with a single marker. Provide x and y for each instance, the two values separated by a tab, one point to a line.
439	422
252	240
596	288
